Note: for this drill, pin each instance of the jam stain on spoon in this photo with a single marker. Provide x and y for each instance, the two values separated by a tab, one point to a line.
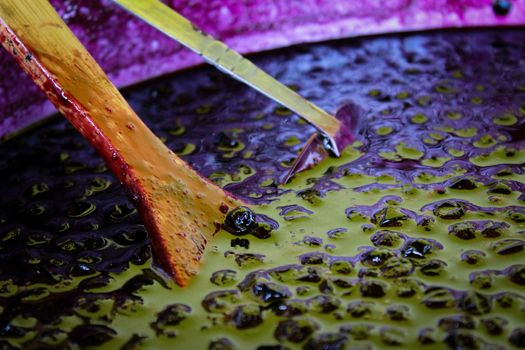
181	210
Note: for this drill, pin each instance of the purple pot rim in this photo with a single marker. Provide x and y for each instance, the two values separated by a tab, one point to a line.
418	16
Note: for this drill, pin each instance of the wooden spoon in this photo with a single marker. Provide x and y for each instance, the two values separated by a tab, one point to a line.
181	210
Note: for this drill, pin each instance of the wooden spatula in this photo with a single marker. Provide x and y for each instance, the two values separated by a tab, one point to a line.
333	133
181	210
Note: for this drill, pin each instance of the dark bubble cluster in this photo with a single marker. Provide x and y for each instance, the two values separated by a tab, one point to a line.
61	221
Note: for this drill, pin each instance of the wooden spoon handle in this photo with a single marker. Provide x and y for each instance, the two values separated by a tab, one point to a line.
170	22
180	209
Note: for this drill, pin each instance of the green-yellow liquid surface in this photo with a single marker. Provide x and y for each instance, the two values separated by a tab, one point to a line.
412	238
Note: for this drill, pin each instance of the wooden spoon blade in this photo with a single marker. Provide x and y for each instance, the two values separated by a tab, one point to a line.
181	210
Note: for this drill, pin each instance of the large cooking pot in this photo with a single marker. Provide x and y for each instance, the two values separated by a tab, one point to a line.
414	237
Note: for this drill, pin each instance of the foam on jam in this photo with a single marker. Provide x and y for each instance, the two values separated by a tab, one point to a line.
413	237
